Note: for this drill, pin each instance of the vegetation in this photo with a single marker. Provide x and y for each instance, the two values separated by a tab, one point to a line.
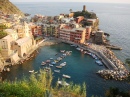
2	33
114	92
39	85
7	7
86	14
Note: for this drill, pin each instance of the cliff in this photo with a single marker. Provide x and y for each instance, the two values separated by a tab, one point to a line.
8	8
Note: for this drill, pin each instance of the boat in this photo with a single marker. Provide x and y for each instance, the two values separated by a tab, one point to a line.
63	83
62	51
63	64
53	63
31	71
50	65
78	48
72	45
59	67
99	62
48	61
43	63
66	76
51	58
94	56
58	71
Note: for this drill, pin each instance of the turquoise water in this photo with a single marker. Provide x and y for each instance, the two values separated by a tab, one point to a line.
80	67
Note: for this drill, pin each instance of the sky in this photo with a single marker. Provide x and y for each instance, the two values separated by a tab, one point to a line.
102	1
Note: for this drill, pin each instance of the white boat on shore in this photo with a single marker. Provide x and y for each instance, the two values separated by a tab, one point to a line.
58	71
63	83
31	71
66	76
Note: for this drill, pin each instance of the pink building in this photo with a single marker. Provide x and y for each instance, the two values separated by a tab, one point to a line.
88	32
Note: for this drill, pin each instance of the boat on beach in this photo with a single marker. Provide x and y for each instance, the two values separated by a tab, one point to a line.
66	76
48	61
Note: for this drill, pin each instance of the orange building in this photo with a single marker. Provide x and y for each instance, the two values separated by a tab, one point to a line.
76	35
36	30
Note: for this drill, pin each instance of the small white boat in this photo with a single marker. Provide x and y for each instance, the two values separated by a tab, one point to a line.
78	48
62	51
50	65
58	71
66	76
63	64
59	67
51	58
63	83
31	71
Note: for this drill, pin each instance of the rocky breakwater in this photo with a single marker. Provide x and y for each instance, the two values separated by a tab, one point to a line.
120	73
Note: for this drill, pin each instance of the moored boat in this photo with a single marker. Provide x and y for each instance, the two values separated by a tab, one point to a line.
62	51
58	71
66	76
99	62
50	65
59	67
63	64
43	63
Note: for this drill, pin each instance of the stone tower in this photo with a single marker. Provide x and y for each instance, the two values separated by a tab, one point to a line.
84	8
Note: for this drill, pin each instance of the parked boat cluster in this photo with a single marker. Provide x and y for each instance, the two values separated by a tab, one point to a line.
97	60
53	63
120	73
114	74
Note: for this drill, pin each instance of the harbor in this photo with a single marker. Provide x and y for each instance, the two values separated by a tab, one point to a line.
81	67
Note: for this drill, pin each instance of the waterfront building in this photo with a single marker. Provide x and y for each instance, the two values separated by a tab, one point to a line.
36	30
76	35
99	37
24	46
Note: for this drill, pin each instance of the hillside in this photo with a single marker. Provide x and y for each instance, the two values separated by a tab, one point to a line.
7	7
